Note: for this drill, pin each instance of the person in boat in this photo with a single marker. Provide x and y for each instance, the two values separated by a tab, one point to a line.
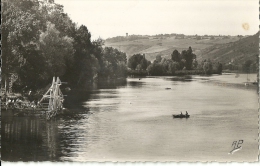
187	113
181	113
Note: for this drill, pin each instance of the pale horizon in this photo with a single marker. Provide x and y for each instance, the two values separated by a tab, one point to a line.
111	18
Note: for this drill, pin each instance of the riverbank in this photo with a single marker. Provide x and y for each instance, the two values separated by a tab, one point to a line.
133	73
237	71
232	80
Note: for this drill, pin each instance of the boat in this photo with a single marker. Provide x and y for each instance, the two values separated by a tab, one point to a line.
181	116
255	82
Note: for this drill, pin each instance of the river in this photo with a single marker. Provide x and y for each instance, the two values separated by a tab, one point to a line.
133	122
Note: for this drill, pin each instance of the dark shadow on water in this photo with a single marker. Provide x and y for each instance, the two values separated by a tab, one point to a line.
36	139
74	99
28	139
135	83
111	84
186	78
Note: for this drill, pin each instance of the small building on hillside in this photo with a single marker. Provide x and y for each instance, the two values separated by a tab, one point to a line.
179	36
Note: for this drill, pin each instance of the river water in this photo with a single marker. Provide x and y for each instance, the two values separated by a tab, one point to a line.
133	122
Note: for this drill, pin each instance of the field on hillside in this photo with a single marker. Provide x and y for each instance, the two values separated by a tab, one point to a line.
165	46
236	52
224	49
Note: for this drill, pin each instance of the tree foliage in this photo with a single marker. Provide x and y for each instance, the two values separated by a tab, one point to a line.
186	60
207	67
138	62
247	65
41	41
56	50
176	56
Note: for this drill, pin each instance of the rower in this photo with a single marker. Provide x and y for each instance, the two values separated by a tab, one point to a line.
181	113
187	113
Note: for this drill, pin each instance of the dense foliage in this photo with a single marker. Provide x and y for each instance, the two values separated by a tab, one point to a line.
138	62
184	61
41	41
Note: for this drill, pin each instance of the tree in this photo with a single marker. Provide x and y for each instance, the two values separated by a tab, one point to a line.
56	51
121	71
158	58
26	38
182	64
176	56
97	49
137	59
219	68
115	60
188	56
169	66
81	72
33	74
207	67
41	41
194	64
246	66
20	30
155	69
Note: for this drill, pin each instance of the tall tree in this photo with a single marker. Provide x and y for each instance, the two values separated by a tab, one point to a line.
137	59
176	56
57	51
247	65
81	71
114	61
207	67
20	30
188	56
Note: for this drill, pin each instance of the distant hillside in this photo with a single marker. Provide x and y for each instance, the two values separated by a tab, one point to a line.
203	46
236	52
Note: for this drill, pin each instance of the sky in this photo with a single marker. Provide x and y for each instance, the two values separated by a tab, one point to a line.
112	18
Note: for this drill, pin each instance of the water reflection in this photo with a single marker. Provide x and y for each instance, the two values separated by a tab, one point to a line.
22	139
34	139
133	121
135	83
179	78
52	138
111	84
75	98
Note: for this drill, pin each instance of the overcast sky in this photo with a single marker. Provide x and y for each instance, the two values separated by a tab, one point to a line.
149	17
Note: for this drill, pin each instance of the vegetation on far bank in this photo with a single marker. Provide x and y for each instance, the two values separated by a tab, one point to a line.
184	63
231	51
176	73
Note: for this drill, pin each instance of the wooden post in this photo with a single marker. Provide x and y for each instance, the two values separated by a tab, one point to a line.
55	98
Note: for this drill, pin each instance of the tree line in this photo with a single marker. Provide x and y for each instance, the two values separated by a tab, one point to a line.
184	61
41	41
249	66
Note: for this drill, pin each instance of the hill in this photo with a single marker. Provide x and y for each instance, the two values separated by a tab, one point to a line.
234	52
220	48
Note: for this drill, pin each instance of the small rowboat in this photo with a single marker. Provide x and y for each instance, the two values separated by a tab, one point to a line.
180	116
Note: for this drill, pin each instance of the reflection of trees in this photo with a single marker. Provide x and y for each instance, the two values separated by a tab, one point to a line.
21	139
135	84
111	84
51	133
21	130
